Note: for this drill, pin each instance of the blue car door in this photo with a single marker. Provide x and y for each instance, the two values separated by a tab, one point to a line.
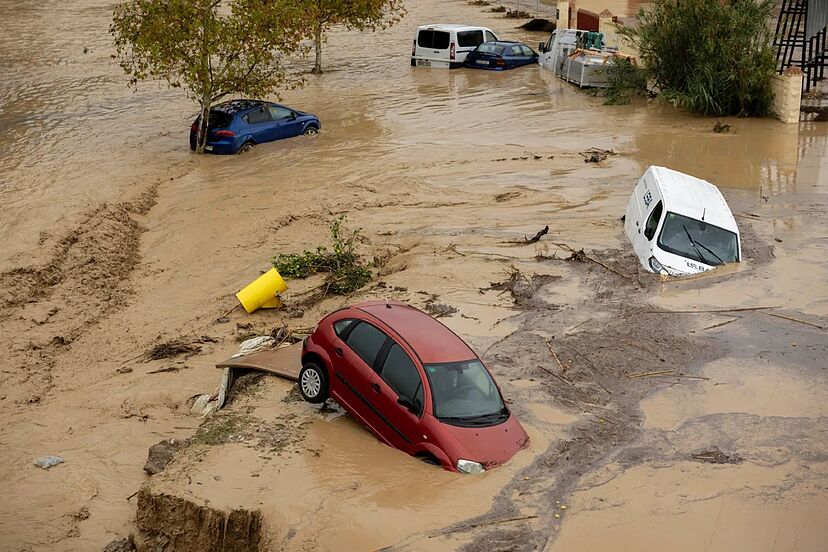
285	122
529	55
259	125
516	56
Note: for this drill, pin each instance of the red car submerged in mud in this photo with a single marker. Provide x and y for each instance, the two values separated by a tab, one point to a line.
414	383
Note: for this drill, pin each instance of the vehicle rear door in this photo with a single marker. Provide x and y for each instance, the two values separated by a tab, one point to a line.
440	46
259	125
425	44
398	378
285	124
356	349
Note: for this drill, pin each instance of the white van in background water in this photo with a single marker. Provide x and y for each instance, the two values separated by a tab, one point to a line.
446	46
679	224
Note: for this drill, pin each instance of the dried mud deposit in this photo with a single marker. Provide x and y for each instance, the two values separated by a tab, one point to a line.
663	414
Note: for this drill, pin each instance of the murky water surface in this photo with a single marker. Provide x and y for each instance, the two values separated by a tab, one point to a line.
420	155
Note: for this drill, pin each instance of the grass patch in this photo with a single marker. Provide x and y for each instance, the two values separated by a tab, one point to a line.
346	271
218	429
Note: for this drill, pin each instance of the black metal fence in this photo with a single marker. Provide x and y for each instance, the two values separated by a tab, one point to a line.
814	59
800	38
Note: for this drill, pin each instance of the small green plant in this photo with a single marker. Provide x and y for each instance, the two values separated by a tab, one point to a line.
626	80
344	266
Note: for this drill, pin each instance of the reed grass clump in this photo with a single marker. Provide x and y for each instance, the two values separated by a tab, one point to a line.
712	57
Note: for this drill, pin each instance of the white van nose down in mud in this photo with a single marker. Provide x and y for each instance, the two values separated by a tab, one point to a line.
679	224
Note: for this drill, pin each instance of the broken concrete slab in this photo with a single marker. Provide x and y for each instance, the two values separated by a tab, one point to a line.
284	361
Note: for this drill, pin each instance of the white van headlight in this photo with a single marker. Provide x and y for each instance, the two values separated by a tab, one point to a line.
467	466
657	267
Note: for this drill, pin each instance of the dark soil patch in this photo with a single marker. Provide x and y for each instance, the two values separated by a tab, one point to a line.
506	196
161	454
522	288
435	308
539	25
172	348
715	456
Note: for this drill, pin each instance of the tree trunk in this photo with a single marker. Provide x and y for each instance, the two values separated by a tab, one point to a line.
201	137
206	99
317	42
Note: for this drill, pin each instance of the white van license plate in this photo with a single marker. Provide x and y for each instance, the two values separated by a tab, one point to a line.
481	62
423	63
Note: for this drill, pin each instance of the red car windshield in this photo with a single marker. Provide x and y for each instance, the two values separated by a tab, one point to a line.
465	392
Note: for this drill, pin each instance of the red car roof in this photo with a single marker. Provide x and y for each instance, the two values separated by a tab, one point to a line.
432	341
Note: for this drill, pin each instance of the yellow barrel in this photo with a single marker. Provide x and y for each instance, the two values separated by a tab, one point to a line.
261	293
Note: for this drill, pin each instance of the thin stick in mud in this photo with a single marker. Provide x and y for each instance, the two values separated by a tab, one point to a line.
551	350
707	311
792	319
596	261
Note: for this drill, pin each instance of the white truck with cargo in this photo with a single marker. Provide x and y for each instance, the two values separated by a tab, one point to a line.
446	46
579	57
679	224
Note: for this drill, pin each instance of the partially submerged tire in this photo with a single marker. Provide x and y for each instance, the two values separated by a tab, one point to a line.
313	383
428	458
247	146
311	131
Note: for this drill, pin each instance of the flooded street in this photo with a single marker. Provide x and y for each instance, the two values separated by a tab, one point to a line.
114	237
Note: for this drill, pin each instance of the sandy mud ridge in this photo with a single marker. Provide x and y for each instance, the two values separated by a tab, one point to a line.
46	308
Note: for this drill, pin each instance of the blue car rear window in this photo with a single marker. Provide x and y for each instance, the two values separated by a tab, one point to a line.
490	49
218	119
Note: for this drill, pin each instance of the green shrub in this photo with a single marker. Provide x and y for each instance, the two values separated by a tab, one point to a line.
625	80
712	57
345	269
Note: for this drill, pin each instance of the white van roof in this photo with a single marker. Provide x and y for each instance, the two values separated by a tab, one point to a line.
452	27
692	197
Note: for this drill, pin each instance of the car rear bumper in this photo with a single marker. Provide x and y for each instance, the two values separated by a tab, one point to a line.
222	147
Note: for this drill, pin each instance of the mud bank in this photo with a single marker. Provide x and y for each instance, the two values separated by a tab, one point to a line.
174	523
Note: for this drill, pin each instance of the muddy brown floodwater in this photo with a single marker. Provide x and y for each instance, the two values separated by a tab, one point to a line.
114	237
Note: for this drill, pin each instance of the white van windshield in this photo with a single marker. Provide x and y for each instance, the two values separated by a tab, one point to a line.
698	240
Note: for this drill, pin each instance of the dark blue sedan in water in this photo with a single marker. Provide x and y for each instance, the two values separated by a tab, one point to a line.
238	125
500	55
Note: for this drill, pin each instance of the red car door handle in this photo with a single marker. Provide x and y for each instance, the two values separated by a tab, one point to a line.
375	387
339	351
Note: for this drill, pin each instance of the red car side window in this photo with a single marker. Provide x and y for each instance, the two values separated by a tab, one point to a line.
366	341
400	373
341	327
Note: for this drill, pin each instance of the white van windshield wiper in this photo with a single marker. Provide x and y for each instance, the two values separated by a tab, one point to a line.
711	251
693	243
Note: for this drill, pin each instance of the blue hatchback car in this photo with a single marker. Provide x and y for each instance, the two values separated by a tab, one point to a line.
500	55
238	125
